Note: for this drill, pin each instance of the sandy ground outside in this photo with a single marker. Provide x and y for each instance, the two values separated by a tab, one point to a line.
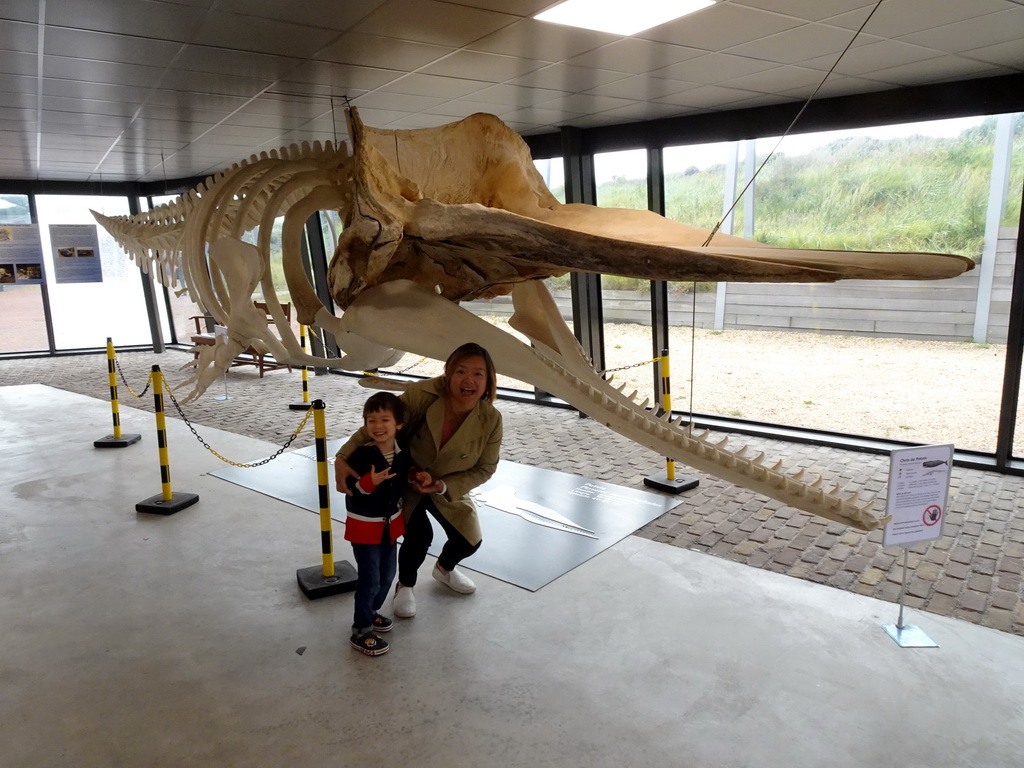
902	389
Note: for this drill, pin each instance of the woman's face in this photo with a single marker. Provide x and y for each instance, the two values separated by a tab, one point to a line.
467	382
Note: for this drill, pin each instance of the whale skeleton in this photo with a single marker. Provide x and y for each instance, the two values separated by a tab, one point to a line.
433	217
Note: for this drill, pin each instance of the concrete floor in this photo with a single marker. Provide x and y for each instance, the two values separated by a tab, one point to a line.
143	640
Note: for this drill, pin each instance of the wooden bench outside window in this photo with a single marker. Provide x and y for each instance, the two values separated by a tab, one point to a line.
265	362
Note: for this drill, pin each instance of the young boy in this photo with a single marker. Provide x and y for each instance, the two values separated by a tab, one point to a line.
374	517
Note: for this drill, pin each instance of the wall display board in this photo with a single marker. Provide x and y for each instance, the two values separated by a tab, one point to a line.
918	493
21	255
76	253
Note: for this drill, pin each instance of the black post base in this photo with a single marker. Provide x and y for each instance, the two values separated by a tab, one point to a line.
176	503
314	585
116	442
677	485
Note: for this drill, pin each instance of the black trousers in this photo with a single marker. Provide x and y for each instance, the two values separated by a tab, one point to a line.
418	536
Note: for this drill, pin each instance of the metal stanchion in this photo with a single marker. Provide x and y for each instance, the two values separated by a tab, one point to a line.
115	440
304	405
331	577
166	502
668	482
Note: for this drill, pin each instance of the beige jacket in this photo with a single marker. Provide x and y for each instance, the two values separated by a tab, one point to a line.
466	461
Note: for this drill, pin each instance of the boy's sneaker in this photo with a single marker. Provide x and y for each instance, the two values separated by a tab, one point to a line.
369	644
382	623
404	604
455	580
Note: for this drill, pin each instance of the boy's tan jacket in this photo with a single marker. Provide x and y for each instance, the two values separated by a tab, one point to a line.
466	461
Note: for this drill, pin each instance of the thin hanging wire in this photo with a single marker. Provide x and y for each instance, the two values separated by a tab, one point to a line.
792	124
718	226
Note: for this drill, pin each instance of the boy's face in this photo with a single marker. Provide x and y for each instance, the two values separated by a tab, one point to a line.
381	426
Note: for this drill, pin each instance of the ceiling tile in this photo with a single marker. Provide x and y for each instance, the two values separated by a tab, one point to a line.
248	33
466	107
778	80
161	21
714	67
978	32
862	59
104	72
1005	54
812	10
643	88
20	10
103	46
483	66
639	112
385	52
329	14
428	21
342	76
516	96
634	56
519	7
584	103
902	18
434	86
538	115
533	39
562	77
798	44
399	102
707	96
19	63
934	71
19	36
719	27
222	61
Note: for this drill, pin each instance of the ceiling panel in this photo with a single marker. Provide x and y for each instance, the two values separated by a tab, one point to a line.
151	88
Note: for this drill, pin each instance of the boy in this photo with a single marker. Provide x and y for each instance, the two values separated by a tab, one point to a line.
374	517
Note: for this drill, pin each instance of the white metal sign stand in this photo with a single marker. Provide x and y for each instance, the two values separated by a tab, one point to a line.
918	495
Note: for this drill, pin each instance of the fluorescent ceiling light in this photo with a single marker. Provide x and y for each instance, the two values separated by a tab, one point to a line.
620	17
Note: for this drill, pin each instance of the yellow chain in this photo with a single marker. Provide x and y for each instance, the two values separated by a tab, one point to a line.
626	367
211	449
127	386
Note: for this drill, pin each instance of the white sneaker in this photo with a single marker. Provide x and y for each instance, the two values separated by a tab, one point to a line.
455	580
404	604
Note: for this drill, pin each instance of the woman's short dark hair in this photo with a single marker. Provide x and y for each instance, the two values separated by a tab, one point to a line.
472	349
385	401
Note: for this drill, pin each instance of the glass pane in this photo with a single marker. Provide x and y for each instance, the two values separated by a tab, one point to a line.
893	359
85	314
622	183
22	321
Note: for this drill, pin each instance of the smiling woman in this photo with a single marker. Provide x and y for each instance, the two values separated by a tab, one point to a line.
453	434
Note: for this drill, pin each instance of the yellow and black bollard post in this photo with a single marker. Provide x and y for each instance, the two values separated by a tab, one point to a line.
668	482
331	577
304	405
166	502
115	440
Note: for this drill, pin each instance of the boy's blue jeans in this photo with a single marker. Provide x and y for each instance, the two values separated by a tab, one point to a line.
375	565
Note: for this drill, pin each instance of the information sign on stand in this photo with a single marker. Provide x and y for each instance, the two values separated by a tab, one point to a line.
916	506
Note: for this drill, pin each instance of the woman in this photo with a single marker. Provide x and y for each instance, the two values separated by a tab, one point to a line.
453	433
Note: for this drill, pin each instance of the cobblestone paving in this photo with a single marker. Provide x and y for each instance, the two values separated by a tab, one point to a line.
973	573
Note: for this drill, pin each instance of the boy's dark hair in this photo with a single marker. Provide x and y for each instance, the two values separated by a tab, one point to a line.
385	401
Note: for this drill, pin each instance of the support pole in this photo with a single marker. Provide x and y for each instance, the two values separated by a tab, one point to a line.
668	482
907	635
331	577
115	440
166	502
304	405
